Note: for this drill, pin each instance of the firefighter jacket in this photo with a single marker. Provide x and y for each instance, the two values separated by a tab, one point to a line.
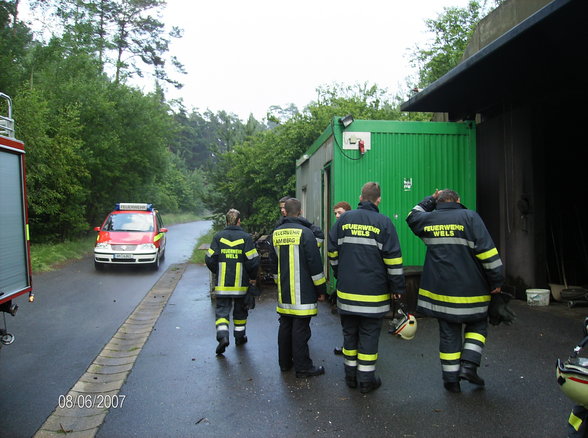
300	268
233	257
462	264
365	255
316	230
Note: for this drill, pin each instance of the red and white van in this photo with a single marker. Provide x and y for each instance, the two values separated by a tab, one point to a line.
132	233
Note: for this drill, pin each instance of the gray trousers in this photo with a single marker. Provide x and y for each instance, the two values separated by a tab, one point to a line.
460	341
361	336
222	313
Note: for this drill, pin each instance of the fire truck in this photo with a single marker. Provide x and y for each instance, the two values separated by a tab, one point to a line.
15	259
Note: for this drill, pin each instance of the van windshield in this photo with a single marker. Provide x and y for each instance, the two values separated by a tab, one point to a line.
129	222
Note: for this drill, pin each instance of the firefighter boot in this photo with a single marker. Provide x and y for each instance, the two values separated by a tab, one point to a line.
314	371
365	387
351	379
468	372
222	344
453	387
241	340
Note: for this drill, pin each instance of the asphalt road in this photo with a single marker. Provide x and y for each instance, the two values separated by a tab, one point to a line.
178	387
75	313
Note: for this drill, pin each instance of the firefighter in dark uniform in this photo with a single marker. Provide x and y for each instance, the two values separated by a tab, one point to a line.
462	269
233	257
316	230
301	282
365	255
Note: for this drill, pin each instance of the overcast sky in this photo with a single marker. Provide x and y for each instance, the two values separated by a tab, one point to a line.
245	56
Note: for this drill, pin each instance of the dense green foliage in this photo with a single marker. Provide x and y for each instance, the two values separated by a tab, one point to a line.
258	172
450	32
93	140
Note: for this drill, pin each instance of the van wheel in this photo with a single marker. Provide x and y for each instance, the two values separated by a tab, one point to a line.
155	264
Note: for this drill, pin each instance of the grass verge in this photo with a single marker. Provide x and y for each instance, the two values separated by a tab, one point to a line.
198	254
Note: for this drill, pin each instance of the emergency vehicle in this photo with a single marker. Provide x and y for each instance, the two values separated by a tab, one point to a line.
133	233
15	257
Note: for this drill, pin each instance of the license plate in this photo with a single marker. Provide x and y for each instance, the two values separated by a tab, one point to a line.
123	256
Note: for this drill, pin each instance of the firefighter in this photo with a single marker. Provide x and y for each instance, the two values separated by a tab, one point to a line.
462	269
233	257
365	255
316	230
301	282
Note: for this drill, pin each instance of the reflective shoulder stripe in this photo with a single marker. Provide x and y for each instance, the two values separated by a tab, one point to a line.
210	251
487	254
159	236
232	243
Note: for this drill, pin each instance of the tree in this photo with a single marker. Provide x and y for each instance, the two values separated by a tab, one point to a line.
262	169
126	33
57	179
451	33
15	40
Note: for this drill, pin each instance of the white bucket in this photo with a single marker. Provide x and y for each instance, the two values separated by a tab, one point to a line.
538	297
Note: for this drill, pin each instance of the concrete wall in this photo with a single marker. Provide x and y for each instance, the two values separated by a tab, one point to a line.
500	21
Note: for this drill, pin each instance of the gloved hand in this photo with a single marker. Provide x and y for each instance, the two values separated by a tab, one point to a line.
498	310
249	298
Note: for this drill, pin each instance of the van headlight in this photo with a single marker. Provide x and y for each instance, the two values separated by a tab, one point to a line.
146	247
102	245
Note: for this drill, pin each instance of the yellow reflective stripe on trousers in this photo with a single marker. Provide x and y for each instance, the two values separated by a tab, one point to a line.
450	356
456	300
367	357
349	352
222	321
487	254
476	337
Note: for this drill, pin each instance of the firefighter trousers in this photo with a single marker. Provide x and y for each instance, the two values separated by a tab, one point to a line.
293	336
360	346
222	313
460	342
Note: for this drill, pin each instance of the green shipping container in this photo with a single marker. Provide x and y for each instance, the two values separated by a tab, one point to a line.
408	159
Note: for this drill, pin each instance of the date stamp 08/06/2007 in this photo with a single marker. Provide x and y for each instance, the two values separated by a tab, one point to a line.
89	401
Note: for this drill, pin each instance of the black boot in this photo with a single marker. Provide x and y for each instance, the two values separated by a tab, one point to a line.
452	387
314	371
222	344
365	387
468	371
241	340
351	381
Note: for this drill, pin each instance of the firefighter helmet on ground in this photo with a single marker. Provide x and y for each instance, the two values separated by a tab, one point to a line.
572	375
403	325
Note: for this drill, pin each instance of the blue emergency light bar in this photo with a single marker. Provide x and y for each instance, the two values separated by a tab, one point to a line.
133	206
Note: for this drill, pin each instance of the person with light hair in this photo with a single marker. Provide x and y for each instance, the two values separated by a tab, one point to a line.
233	258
